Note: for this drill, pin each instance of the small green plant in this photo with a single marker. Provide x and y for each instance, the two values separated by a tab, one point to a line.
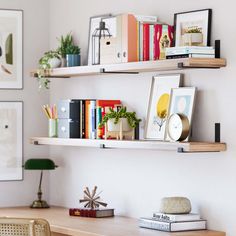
44	65
67	46
194	30
133	121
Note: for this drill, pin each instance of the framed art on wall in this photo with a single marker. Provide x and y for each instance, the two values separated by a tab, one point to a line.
11	55
182	102
159	104
193	28
11	140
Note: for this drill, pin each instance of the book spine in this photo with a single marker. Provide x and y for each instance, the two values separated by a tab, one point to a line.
87	105
146	29
156	42
98	120
93	120
83	119
140	41
158	225
178	56
151	44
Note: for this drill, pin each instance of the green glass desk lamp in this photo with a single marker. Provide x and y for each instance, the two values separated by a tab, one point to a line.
40	164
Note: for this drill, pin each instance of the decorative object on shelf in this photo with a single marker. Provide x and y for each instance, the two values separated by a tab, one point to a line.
119	124
94	23
159	105
51	114
11	53
175	205
69	51
50	59
193	28
39	164
178	127
182	102
92	200
11	140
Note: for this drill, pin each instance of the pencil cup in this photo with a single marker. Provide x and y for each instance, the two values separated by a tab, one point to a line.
52	128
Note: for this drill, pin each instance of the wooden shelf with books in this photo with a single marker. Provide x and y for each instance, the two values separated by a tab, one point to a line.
181	147
136	67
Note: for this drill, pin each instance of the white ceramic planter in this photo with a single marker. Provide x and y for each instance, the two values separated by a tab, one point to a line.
193	38
54	62
116	127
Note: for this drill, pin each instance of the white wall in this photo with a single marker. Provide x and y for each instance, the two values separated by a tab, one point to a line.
36	35
133	182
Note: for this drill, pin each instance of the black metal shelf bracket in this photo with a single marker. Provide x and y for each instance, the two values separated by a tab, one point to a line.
103	71
181	65
36	142
102	146
217	132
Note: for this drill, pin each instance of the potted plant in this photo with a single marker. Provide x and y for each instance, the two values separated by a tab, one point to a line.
119	122
193	37
50	59
69	52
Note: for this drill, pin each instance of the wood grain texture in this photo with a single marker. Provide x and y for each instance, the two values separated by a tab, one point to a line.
143	66
62	223
132	144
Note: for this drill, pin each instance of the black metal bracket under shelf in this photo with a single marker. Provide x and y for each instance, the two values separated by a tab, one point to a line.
181	65
103	71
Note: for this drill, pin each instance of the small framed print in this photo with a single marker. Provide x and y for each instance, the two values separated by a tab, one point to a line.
11	55
182	102
193	28
11	141
159	104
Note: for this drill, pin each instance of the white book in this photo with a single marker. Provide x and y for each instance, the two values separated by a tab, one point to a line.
151	43
176	217
143	18
184	50
150	223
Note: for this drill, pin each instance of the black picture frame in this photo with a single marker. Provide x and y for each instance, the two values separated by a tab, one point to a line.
209	24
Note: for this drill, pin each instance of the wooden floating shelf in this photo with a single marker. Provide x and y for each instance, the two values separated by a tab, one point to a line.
136	67
133	144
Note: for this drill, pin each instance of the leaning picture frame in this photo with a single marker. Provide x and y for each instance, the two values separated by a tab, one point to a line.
182	102
159	104
11	140
11	49
193	28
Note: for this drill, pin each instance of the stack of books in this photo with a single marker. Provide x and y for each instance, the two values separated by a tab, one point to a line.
93	213
173	222
190	52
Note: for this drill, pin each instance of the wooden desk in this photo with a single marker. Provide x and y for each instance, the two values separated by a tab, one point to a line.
62	224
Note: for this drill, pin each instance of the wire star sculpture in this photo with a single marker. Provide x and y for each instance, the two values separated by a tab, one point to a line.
92	200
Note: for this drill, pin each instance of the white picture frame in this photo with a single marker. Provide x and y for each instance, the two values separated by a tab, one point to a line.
11	49
158	105
187	21
11	140
182	102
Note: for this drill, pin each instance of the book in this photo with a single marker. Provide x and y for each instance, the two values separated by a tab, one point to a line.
94	213
152	223
143	18
102	107
151	40
176	217
190	55
146	42
189	49
163	38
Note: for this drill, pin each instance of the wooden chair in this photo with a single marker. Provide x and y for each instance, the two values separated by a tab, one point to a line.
24	227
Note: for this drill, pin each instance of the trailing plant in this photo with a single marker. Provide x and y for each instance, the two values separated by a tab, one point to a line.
133	121
44	65
67	46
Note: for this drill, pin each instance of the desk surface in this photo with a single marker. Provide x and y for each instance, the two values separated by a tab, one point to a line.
62	223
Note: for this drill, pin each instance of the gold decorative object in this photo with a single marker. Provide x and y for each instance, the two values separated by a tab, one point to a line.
92	200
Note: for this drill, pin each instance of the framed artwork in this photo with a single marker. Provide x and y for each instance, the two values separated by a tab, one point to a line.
11	55
159	105
193	28
110	24
11	141
182	102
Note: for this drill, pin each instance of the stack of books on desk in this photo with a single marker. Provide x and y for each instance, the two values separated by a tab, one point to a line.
190	52
173	222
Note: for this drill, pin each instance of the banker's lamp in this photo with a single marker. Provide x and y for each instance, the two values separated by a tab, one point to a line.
39	164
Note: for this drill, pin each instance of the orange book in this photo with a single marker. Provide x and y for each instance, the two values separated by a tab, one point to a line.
87	104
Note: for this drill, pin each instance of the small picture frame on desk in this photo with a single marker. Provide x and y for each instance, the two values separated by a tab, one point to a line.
11	140
193	28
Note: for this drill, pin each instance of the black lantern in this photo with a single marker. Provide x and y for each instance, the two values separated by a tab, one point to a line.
101	32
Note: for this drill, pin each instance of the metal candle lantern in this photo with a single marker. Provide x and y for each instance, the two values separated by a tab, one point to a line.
101	32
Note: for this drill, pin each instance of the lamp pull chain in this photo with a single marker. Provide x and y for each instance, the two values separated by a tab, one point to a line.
40	190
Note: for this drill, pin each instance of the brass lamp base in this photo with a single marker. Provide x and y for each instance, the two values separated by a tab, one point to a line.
39	204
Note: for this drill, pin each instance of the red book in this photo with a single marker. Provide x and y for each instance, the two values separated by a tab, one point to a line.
105	105
93	213
146	41
163	38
